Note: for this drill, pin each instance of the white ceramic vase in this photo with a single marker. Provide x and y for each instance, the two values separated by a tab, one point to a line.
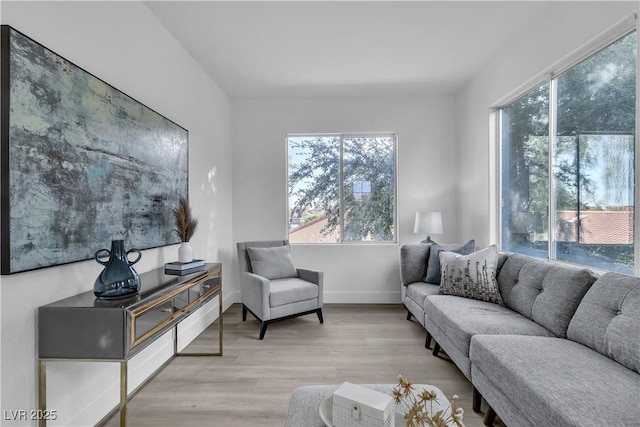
185	252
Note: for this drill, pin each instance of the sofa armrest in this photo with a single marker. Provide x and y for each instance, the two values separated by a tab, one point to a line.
413	262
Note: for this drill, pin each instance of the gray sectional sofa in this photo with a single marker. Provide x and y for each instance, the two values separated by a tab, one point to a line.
563	350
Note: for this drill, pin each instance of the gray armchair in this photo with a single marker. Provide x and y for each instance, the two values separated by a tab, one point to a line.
272	288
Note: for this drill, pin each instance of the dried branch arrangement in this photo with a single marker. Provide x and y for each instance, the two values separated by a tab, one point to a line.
186	224
419	407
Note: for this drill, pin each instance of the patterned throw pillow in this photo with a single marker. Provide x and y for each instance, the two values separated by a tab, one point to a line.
471	276
433	263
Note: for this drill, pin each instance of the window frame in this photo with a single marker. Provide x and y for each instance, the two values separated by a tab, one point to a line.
342	136
618	31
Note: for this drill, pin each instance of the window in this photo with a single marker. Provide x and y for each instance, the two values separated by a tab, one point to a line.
341	188
571	197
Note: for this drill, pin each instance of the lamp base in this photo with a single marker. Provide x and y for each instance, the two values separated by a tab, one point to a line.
427	240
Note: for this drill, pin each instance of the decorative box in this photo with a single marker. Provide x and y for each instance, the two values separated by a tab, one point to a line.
357	406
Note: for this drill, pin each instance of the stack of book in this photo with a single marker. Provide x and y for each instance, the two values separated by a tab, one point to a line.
182	268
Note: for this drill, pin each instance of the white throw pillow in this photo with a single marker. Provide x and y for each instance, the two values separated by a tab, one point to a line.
471	276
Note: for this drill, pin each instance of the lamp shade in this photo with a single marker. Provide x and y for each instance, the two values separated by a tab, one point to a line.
428	222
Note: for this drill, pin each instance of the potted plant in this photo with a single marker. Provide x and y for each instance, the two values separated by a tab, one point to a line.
186	226
418	409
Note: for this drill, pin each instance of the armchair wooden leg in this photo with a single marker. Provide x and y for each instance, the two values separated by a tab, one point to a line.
489	417
263	329
409	315
477	400
436	349
265	323
244	312
427	340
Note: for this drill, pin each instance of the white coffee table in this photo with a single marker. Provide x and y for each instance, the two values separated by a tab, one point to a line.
304	405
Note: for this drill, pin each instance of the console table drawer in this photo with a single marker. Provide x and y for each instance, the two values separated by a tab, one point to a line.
148	321
194	293
153	317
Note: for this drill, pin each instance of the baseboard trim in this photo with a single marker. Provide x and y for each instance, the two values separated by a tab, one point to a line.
368	297
339	297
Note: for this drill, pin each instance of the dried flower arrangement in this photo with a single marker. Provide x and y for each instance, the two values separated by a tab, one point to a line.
186	224
419	407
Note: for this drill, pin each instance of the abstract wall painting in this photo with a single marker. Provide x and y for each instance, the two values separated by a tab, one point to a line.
81	163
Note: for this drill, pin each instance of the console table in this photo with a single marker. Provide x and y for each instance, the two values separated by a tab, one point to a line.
86	328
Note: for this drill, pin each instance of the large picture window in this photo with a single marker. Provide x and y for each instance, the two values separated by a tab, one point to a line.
571	197
341	188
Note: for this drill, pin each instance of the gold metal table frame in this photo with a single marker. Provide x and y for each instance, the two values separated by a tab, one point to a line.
176	318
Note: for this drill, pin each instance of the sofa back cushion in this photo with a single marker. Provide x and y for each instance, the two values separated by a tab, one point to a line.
413	262
608	319
502	258
546	293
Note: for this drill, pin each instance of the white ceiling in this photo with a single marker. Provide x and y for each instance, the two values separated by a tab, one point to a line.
319	48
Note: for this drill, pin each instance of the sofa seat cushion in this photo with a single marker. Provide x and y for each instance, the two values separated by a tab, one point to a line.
286	291
462	318
419	291
556	382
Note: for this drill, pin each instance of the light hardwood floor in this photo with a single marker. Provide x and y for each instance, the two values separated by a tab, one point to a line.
252	383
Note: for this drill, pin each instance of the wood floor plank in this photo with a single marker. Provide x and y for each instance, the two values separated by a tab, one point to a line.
251	385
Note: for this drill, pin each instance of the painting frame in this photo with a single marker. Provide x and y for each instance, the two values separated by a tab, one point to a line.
81	162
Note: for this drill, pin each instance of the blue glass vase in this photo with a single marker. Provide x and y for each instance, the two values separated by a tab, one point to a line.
118	279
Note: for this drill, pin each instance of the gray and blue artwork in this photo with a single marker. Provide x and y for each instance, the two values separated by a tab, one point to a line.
87	164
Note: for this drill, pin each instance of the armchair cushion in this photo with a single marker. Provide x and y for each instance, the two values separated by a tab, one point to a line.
288	290
272	263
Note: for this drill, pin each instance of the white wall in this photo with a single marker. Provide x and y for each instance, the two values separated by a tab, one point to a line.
426	179
559	30
124	44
